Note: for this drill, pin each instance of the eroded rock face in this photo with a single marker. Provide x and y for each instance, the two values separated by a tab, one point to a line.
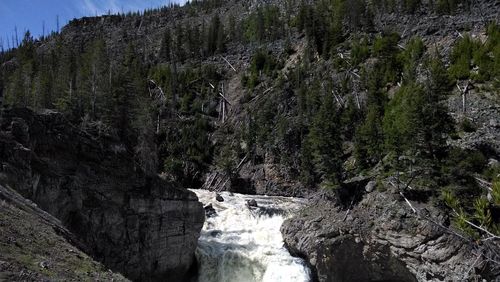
381	239
139	225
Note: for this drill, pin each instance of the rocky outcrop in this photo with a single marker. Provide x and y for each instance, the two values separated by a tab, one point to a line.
482	112
137	224
382	239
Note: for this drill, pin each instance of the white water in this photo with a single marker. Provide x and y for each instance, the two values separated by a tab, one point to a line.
242	244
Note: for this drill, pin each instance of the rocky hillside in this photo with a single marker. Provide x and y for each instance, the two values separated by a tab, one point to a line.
296	98
136	224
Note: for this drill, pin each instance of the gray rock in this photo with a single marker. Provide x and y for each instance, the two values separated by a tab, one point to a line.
370	186
136	224
381	240
493	163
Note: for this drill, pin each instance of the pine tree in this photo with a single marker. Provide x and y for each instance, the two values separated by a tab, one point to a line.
166	46
369	138
402	120
65	92
437	123
325	141
216	36
94	78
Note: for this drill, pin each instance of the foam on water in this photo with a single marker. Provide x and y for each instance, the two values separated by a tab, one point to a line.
245	244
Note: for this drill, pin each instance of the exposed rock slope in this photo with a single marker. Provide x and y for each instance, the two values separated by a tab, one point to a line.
139	225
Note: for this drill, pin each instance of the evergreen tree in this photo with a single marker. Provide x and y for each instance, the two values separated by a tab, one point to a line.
95	78
166	46
402	120
369	138
325	141
128	85
437	123
65	92
216	36
410	58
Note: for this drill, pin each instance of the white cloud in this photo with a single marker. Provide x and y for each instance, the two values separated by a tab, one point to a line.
88	7
99	7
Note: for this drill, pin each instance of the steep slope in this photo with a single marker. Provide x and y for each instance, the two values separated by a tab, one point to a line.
294	98
191	53
37	247
139	225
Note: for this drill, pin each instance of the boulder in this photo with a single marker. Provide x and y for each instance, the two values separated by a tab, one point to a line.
219	198
210	211
252	203
370	186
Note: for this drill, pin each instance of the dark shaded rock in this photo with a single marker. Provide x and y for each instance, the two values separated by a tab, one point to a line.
219	198
242	185
215	233
252	203
134	223
210	211
266	179
270	211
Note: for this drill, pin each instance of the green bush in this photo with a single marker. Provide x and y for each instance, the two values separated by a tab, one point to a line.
263	63
470	54
360	51
461	58
467	126
496	192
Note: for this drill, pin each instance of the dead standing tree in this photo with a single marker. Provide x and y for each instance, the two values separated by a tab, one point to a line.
158	99
464	90
224	104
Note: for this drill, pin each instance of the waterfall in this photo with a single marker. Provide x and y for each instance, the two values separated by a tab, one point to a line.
244	243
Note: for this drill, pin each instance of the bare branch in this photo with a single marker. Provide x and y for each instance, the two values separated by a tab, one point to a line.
229	63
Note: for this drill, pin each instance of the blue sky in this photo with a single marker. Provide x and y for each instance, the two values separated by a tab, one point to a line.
32	14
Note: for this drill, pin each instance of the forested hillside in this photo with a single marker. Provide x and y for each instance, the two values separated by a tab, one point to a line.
286	97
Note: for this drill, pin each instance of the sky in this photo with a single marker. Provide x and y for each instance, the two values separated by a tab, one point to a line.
33	15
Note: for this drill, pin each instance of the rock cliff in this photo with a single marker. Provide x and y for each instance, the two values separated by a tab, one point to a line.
381	238
139	225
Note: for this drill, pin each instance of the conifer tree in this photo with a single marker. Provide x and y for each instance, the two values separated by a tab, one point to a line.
325	142
166	46
94	78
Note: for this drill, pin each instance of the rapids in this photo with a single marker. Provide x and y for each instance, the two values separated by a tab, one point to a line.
242	243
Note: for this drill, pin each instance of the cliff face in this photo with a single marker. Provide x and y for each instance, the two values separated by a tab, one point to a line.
139	225
382	239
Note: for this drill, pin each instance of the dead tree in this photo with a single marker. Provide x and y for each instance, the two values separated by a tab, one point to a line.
224	58
464	92
224	104
158	97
